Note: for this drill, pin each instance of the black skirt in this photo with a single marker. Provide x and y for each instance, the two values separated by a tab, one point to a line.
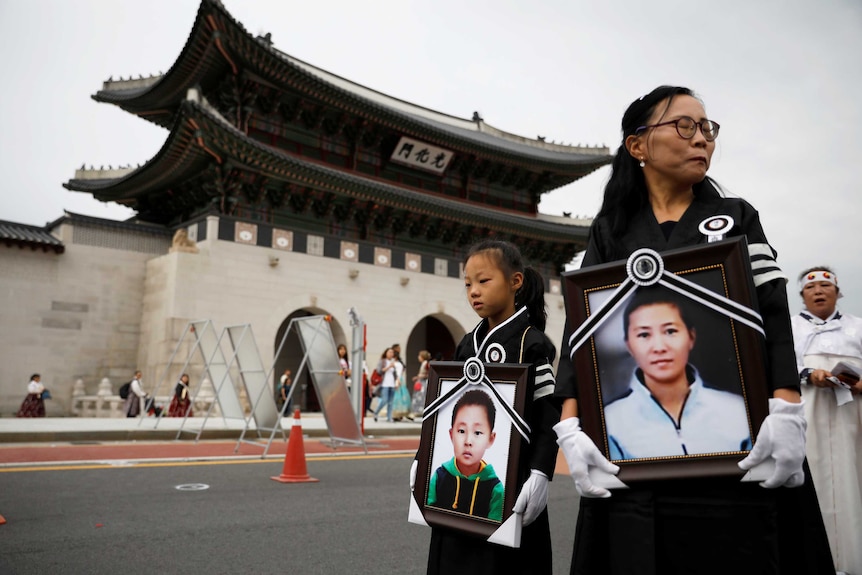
454	553
32	406
703	526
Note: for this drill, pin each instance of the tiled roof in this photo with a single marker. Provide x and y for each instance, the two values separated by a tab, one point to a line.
156	98
132	224
183	155
34	237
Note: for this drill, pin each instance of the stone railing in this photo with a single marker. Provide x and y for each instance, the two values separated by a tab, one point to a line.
106	404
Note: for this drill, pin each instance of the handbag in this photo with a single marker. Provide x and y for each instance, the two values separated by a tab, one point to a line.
376	380
46	394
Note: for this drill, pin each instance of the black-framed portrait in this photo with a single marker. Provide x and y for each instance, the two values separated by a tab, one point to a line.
669	353
472	433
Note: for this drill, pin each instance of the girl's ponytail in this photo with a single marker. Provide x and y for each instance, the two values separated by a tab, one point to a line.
532	296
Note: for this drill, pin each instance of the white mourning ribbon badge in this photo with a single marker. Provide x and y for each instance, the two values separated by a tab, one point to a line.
715	227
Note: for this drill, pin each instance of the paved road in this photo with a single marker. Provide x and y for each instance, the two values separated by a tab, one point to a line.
133	519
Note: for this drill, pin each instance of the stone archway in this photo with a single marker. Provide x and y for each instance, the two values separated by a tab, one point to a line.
304	397
438	333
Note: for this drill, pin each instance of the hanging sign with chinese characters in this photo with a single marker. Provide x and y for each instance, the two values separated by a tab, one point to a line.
421	155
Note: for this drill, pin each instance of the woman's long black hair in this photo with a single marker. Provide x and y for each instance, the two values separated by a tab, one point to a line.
509	259
626	192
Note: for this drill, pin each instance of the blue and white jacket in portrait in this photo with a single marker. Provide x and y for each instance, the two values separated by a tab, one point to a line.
712	421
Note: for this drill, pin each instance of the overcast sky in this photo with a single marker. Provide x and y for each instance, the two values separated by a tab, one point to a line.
782	77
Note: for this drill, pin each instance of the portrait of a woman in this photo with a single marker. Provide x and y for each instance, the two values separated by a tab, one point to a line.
668	409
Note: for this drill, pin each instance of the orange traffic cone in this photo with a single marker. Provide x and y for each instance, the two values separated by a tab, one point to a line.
294	470
2	520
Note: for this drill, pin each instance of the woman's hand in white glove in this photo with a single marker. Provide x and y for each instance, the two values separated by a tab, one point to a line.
781	437
581	454
533	497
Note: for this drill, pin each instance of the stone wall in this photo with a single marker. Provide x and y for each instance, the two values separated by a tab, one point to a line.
96	311
69	316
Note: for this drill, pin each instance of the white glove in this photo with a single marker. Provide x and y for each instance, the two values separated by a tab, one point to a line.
581	454
781	437
413	467
533	497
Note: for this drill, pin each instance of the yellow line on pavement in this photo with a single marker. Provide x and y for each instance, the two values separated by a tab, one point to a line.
140	464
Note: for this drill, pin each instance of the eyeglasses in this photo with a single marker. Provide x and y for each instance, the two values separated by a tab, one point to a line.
686	128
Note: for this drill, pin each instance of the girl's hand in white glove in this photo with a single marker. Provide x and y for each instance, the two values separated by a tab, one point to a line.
533	497
413	467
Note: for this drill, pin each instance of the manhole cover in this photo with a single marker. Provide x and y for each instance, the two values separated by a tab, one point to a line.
192	487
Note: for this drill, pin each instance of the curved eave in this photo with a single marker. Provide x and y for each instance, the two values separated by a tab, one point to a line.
198	62
201	136
218	43
179	159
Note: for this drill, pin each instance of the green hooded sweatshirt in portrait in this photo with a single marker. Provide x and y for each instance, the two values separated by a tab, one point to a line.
480	495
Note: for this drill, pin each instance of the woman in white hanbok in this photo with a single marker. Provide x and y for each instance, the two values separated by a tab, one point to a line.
824	336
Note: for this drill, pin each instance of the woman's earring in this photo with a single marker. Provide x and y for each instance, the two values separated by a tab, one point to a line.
642	164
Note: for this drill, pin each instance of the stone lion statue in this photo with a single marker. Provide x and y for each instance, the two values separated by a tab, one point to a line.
182	242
